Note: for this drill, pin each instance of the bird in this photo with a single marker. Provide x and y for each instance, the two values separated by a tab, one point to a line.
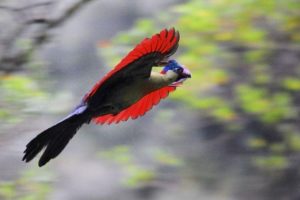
129	90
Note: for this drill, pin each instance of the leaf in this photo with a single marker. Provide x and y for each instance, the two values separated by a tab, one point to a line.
274	162
167	158
291	83
138	176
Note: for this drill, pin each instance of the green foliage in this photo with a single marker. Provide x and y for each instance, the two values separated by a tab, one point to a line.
137	174
7	190
269	109
291	84
166	158
275	162
293	140
31	185
18	87
237	52
257	143
18	93
119	154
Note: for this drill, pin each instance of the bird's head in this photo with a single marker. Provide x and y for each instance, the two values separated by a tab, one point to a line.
182	72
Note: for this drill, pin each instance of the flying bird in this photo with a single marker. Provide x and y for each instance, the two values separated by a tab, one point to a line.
127	91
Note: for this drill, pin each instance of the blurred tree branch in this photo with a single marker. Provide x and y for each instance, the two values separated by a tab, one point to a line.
35	29
39	4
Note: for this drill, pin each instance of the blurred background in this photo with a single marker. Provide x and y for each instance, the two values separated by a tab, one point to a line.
230	132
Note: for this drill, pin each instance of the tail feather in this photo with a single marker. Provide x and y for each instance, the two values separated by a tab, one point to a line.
54	139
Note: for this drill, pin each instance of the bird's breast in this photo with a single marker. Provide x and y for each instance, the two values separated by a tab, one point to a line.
123	95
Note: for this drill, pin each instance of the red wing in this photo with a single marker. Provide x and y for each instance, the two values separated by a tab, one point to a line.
138	109
163	44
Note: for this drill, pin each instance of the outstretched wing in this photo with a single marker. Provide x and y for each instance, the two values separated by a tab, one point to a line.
138	109
139	62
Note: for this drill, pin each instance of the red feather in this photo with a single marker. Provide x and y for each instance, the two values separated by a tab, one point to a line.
138	109
161	43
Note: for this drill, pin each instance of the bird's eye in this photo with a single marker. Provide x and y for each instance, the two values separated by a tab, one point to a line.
179	70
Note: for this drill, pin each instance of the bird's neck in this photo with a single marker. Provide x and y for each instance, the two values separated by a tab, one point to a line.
158	80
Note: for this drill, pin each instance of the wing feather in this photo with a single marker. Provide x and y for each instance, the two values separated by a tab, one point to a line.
139	108
160	45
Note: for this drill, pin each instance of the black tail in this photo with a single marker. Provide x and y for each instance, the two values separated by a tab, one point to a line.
54	139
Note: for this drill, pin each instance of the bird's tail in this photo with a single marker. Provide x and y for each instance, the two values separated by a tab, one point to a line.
54	139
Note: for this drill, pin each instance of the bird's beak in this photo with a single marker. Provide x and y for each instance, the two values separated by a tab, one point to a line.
186	73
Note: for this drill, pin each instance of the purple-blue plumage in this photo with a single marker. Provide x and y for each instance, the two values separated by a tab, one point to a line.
183	72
